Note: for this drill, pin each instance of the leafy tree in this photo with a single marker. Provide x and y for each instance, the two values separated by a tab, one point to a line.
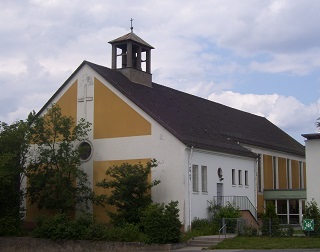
55	179
130	191
318	123
13	150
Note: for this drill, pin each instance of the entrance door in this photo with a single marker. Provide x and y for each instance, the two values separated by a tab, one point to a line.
219	194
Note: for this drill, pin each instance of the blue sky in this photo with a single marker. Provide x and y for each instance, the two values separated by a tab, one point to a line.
260	56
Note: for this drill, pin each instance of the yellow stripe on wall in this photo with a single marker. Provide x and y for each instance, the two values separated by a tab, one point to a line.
115	118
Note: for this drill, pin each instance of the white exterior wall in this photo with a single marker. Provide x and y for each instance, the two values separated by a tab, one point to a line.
313	169
214	161
161	145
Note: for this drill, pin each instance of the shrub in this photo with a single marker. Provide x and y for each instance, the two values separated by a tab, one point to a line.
205	226
126	233
270	221
161	223
84	226
312	211
10	226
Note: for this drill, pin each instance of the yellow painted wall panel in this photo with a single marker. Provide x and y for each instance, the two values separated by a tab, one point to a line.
68	102
260	203
295	174
282	173
267	172
99	173
115	118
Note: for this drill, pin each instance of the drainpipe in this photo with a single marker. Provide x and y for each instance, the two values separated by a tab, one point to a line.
189	183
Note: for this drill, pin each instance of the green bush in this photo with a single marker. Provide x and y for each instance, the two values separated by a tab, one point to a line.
161	223
270	221
205	226
312	211
55	227
83	227
126	233
10	226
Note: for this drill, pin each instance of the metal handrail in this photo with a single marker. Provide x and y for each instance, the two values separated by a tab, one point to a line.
225	233
241	202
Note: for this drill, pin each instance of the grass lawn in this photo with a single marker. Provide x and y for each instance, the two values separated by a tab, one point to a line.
268	243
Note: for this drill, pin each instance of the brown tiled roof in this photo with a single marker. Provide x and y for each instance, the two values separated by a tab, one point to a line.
202	123
132	36
199	122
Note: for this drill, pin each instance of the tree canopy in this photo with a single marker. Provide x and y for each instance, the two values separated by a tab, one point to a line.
55	179
130	190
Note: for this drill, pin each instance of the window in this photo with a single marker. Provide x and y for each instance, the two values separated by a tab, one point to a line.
301	174
246	182
195	183
274	170
85	151
233	176
259	173
204	179
289	185
240	177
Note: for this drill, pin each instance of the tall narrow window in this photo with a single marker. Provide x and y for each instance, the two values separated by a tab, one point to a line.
240	177
274	171
195	178
233	176
301	178
259	173
246	182
289	174
204	186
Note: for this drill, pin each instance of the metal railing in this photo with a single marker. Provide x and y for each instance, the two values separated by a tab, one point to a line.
241	202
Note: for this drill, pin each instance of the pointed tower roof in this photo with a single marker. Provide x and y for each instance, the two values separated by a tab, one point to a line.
133	37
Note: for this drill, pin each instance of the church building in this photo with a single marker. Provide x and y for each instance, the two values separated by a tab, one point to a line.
207	152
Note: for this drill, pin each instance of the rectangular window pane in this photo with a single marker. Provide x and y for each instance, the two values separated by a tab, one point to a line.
301	179
195	179
281	206
274	170
246	182
204	179
240	177
233	176
288	174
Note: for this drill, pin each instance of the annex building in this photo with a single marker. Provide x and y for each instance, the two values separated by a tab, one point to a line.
206	151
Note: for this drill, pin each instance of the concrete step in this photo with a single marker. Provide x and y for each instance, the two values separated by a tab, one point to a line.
206	241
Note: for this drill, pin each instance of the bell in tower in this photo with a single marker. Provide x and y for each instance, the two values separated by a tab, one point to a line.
135	57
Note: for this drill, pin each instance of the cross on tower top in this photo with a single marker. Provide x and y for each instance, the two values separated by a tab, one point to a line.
131	25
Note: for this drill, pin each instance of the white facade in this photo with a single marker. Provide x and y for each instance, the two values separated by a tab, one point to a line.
313	169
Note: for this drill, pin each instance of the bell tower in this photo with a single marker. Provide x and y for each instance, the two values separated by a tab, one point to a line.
133	55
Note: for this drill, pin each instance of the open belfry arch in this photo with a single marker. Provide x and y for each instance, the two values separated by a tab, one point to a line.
135	57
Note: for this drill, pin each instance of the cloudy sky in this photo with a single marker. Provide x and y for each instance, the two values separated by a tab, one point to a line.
260	56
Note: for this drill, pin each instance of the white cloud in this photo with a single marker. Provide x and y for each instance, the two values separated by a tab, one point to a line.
201	46
286	112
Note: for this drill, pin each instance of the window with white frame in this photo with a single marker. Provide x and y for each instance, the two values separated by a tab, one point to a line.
246	181
233	176
301	175
289	181
240	177
195	178
204	185
274	171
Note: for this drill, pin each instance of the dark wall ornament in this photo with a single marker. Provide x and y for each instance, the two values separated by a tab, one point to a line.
85	149
220	175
